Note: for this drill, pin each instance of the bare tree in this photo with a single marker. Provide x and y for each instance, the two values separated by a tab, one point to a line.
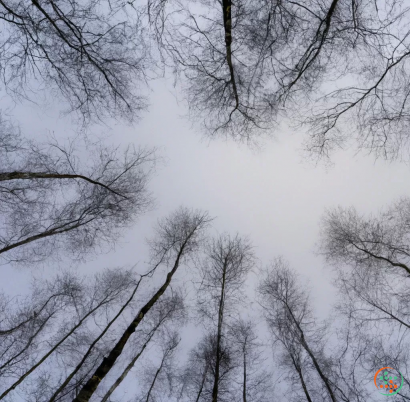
157	378
291	321
380	241
51	199
223	79
228	261
340	67
178	238
198	374
170	308
66	311
370	255
92	53
256	382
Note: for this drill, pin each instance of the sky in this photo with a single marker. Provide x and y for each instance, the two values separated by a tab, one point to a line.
272	194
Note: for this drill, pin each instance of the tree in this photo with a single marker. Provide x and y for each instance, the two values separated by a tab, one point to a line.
207	44
171	309
245	64
370	255
291	321
67	311
228	261
93	54
158	378
51	200
256	382
380	241
178	238
198	375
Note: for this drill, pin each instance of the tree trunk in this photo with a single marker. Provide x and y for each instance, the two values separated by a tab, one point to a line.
72	374
28	372
202	383
108	362
302	380
313	358
155	379
120	379
227	17
218	339
57	230
244	374
45	175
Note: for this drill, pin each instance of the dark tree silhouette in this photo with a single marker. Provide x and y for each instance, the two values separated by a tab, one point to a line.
53	200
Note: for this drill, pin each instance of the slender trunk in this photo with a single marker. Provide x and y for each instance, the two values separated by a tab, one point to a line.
313	358
302	380
33	317
378	257
244	374
130	366
227	18
82	49
155	378
108	362
319	370
53	349
219	336
27	345
202	383
72	374
315	48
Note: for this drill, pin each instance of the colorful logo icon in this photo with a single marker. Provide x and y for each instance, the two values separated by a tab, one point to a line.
388	381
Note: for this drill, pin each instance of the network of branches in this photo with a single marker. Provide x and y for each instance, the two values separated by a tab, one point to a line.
339	68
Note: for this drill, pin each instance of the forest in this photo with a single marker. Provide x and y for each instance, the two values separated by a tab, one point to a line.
204	201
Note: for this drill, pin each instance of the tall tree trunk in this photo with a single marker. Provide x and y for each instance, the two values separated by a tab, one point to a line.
108	362
31	339
32	317
219	337
72	374
47	355
318	369
120	379
244	374
155	378
227	17
302	380
66	227
313	357
202	384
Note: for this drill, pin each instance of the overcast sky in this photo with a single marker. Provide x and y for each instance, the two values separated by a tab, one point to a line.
272	195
